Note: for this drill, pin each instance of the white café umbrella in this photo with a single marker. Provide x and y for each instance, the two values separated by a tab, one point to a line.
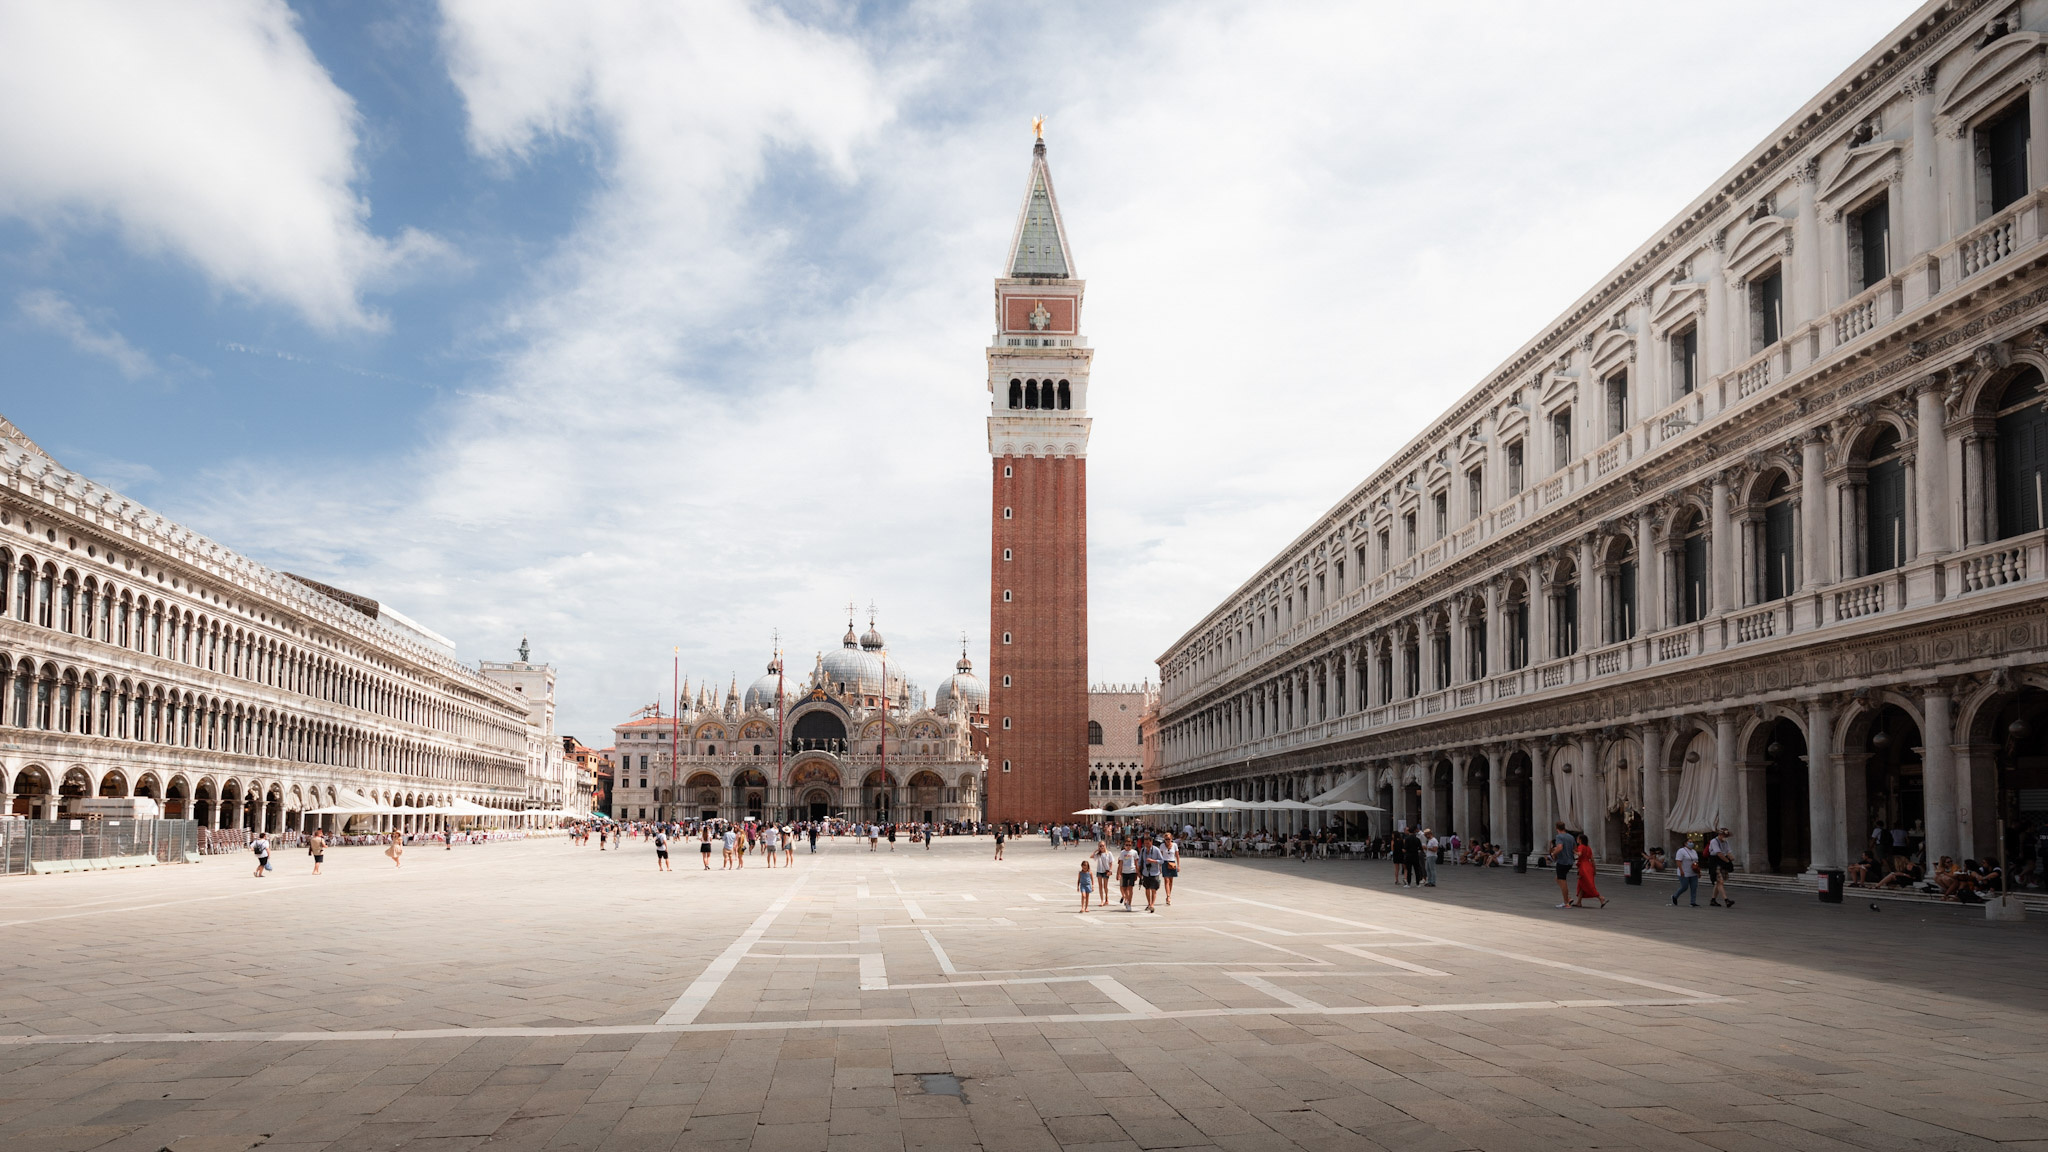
1092	812
1347	806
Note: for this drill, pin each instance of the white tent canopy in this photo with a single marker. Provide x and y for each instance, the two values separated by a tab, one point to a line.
1357	790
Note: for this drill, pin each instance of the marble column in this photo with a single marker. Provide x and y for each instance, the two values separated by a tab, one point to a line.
1461	803
1542	800
1497	823
1938	774
1727	788
1813	502
1649	577
1826	839
1591	796
1976	512
1721	563
1496	629
1656	804
1589	594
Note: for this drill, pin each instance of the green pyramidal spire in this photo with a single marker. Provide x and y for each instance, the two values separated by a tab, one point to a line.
1041	245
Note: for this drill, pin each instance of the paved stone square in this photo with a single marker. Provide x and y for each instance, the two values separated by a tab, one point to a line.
541	995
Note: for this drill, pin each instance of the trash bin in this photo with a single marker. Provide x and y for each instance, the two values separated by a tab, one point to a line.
1831	885
1521	861
1632	872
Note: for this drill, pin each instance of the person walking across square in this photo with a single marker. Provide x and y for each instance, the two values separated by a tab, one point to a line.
1564	850
1688	862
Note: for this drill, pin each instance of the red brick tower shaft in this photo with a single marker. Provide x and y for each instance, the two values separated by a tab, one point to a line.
1038	560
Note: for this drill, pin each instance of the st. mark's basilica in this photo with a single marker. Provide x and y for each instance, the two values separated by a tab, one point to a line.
854	737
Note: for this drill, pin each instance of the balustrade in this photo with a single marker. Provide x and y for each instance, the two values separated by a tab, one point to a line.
1988	245
1756	626
1754	378
1991	569
1862	600
1674	645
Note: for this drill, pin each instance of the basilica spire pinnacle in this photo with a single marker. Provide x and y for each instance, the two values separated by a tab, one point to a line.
1038	250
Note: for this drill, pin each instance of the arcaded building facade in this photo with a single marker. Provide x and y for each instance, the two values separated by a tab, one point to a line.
1750	537
138	658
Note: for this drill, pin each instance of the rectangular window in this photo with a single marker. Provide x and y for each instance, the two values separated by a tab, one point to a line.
2002	160
1621	602
1475	494
1340	577
1515	468
1564	621
1409	531
1440	649
1870	244
1560	439
1685	362
1440	506
1766	310
1617	404
1475	648
1386	551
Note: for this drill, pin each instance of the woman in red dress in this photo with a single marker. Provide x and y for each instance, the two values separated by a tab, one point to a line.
1584	856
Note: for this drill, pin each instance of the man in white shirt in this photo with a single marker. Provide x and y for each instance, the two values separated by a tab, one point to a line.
768	837
1431	847
1127	873
1688	862
1720	861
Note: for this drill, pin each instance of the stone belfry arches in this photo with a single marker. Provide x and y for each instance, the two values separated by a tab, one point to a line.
1038	429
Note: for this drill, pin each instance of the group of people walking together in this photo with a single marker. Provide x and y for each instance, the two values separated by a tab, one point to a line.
1143	863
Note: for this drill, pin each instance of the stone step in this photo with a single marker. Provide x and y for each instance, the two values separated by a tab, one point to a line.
2036	902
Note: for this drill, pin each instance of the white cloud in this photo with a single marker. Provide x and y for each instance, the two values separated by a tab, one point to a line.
204	130
750	384
51	311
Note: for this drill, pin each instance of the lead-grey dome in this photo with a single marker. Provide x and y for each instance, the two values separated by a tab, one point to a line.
761	693
963	689
852	670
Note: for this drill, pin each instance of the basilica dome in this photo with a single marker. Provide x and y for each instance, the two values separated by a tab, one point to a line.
761	693
963	689
853	671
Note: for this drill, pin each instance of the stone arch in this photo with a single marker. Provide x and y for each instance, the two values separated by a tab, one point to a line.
1776	742
33	791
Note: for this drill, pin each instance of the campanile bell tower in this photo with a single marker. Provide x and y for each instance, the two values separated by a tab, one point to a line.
1038	553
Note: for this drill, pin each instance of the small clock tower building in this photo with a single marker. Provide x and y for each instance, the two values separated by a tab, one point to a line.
1038	553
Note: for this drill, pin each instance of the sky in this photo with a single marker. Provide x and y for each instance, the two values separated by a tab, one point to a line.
635	326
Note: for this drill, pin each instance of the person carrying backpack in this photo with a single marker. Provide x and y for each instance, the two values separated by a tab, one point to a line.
261	847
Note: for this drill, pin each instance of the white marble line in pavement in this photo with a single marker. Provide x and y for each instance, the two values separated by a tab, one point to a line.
1291	999
408	1035
702	989
1363	954
874	974
945	961
1113	988
1542	961
1264	944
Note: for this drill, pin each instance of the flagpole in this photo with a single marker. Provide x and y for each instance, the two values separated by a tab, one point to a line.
675	688
779	781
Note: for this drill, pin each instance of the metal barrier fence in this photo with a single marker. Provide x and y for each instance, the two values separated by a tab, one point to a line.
78	845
